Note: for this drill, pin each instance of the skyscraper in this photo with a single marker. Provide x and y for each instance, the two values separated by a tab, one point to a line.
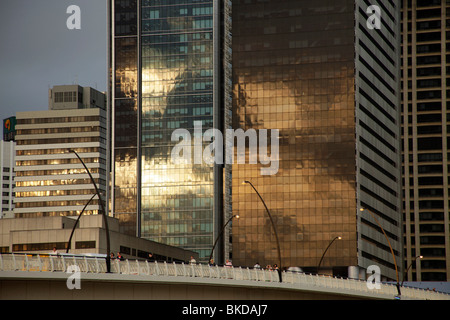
50	180
425	119
169	62
326	74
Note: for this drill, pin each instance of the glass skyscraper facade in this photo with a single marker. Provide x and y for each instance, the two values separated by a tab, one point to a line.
316	71
329	81
168	74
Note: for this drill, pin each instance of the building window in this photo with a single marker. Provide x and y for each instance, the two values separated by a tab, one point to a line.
39	246
59	97
125	250
85	245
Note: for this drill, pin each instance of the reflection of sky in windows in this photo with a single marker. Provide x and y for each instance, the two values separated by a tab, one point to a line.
177	89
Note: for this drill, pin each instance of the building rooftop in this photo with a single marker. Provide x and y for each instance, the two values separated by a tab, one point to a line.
42	234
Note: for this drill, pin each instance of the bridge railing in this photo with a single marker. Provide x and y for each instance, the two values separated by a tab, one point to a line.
50	263
87	264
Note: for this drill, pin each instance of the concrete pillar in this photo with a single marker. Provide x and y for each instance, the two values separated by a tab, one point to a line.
353	272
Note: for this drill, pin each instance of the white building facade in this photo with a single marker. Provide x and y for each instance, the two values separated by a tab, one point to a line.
51	180
7	155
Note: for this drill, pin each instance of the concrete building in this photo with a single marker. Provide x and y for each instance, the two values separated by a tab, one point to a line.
50	180
425	119
326	74
41	235
75	97
7	162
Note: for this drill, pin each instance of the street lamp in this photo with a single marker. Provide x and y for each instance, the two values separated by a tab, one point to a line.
76	223
329	245
410	265
105	220
390	247
221	232
273	226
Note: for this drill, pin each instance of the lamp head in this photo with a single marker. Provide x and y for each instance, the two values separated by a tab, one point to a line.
245	182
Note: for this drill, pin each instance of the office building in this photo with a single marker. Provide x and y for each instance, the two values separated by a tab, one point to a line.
425	117
7	156
50	179
326	74
41	235
170	69
75	97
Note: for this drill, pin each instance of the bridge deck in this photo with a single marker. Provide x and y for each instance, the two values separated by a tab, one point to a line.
22	267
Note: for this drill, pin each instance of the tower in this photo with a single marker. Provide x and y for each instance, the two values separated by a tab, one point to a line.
170	69
326	74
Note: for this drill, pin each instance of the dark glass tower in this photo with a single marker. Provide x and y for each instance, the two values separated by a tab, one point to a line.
168	73
329	81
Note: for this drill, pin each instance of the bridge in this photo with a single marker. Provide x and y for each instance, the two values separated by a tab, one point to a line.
25	276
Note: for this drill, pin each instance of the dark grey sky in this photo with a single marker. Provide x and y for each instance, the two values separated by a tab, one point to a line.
38	51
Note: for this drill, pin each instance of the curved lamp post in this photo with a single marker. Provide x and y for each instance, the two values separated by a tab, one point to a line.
273	226
105	220
220	234
390	247
329	245
410	265
76	223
